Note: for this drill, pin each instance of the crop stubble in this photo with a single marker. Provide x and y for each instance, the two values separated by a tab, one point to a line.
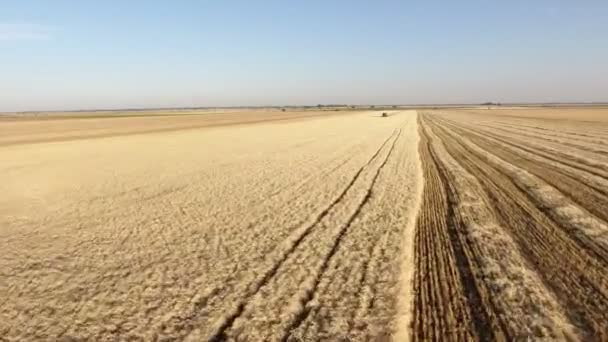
437	225
241	232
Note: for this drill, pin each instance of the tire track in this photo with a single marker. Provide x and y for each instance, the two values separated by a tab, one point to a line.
309	293
226	322
355	298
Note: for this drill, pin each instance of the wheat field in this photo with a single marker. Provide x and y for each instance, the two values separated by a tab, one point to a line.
432	224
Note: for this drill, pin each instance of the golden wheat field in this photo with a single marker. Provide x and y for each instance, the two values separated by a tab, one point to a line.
434	224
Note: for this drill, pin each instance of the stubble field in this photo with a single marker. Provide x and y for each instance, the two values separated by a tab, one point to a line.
444	224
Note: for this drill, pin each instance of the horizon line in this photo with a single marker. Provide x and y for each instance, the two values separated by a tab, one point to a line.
349	106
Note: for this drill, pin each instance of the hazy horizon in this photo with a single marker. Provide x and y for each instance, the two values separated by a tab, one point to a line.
506	105
113	55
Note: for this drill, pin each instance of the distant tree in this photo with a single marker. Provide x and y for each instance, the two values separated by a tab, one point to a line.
394	106
372	106
282	109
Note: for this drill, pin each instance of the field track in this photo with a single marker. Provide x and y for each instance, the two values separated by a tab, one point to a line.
429	225
512	240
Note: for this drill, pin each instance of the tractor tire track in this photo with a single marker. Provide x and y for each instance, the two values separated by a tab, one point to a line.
228	320
354	299
309	293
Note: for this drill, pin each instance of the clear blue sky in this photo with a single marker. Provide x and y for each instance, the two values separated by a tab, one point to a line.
118	54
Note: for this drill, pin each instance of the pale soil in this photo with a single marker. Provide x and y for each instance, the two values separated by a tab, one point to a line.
272	230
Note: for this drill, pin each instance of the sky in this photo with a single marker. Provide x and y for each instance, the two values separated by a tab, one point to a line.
69	55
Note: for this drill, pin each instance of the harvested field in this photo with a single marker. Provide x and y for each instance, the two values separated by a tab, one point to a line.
512	239
61	126
445	225
271	230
